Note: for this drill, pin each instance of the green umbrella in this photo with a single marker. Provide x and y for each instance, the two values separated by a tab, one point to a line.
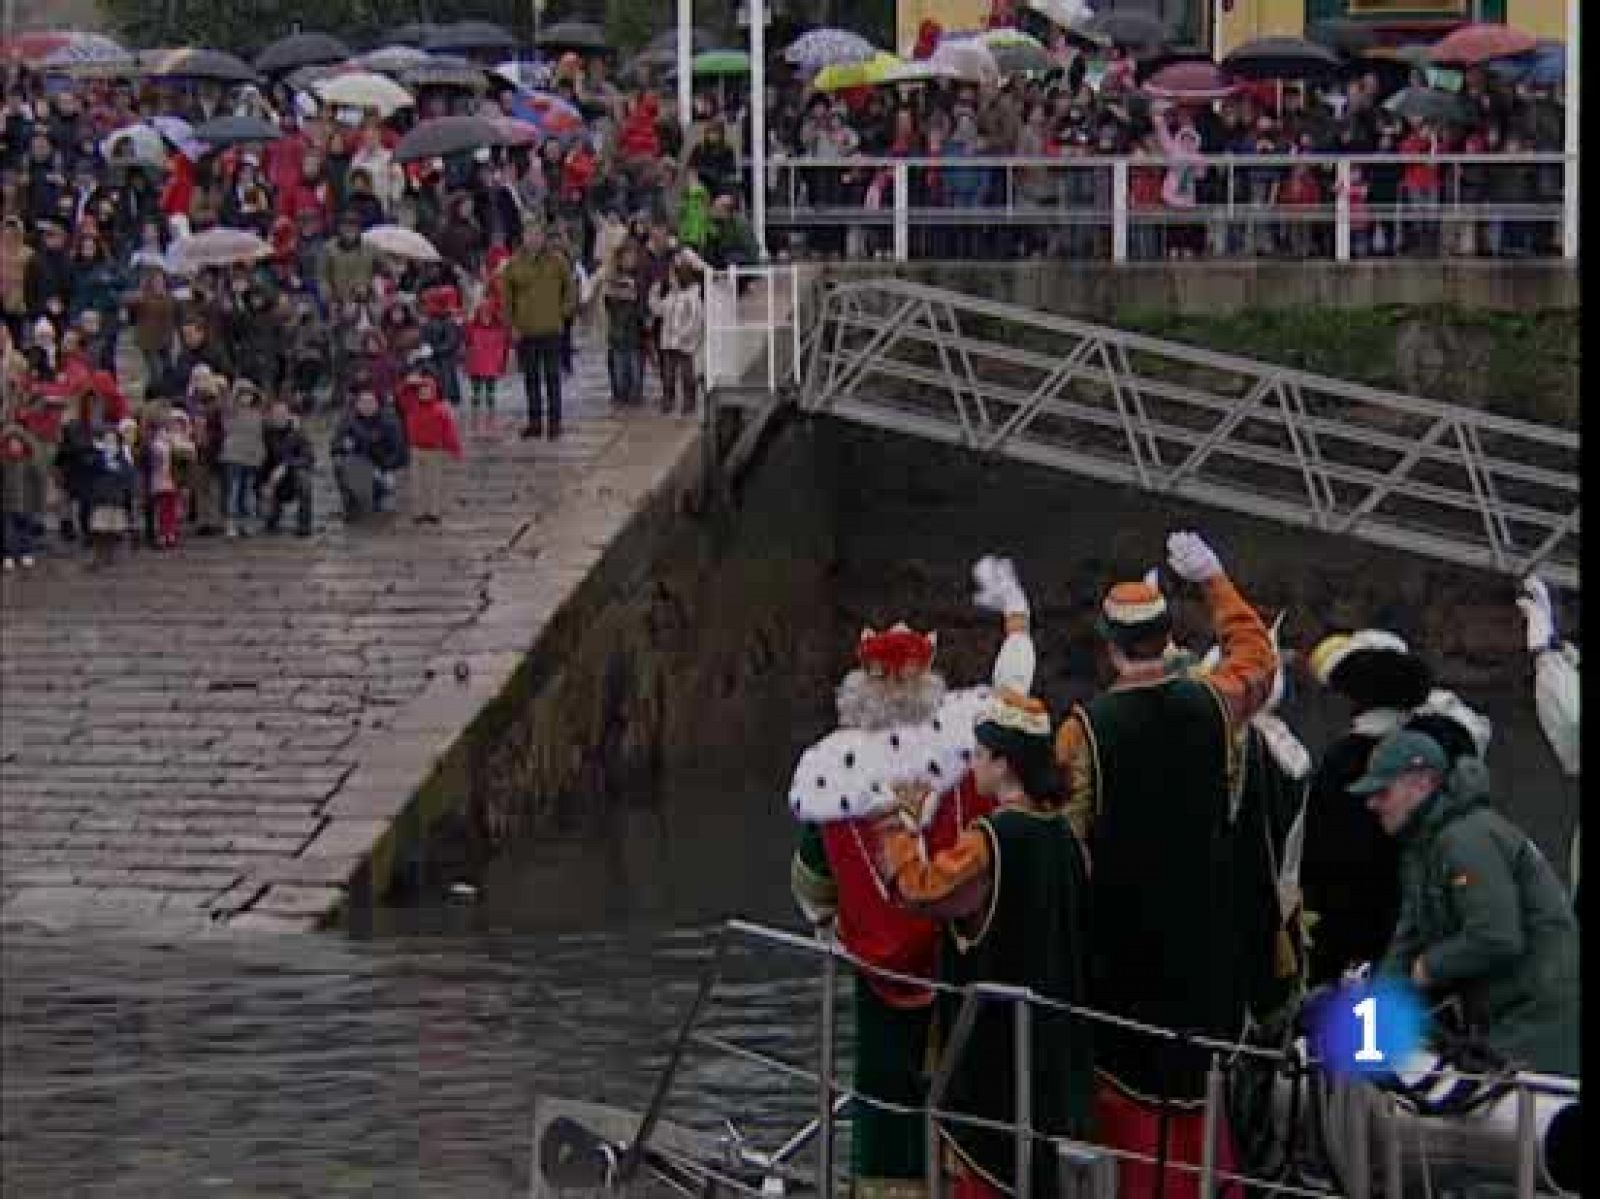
721	62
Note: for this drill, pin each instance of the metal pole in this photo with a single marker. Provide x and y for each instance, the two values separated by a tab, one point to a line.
1358	1156
1527	1137
685	50
1208	1147
1393	1178
941	1080
1021	1185
758	120
1569	189
1119	210
1341	212
902	212
830	974
794	323
772	332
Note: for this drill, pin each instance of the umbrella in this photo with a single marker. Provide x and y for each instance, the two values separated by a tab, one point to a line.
1281	58
143	143
1544	67
88	54
1189	82
1127	29
412	34
918	71
363	91
1017	53
236	131
667	40
548	113
305	79
820	48
857	74
1473	44
523	74
444	71
180	135
572	35
215	248
390	60
190	63
1429	104
38	48
966	59
401	242
301	50
444	136
469	35
1071	15
721	63
1343	35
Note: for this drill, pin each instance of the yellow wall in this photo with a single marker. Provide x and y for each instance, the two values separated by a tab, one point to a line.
1259	18
951	15
1542	18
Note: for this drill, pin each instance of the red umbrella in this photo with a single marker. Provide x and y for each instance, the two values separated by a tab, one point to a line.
1472	44
1189	82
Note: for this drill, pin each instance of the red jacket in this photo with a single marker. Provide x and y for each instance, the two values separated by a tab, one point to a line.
178	195
488	347
430	425
638	137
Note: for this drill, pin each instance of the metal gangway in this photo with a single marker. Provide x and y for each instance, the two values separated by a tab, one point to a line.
1443	480
1521	1137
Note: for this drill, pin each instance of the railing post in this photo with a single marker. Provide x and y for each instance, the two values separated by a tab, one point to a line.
902	212
1358	1149
1527	1144
1341	211
1208	1146
830	975
1023	1037
794	324
772	330
1119	210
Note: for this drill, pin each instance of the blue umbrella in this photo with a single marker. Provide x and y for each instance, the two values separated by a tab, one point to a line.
548	113
1545	66
828	48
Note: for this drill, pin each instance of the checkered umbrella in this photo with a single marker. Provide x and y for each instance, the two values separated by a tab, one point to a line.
820	48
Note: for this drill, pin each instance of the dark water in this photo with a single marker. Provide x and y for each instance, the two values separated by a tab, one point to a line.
407	1063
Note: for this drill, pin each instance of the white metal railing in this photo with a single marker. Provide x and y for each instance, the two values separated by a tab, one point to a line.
1413	474
1093	1163
754	327
1088	206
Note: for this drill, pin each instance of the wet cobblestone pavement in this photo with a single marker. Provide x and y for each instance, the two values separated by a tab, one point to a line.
312	1066
175	727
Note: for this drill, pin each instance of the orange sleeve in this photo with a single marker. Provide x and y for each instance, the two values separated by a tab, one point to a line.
1244	676
1072	756
953	884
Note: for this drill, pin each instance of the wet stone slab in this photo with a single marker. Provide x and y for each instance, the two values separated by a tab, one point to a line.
228	728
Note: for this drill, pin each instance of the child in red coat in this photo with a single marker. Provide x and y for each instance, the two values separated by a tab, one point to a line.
488	354
431	432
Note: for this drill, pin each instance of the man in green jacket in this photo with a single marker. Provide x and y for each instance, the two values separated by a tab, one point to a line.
1483	918
541	296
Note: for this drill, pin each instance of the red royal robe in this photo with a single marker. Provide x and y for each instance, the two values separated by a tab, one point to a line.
872	927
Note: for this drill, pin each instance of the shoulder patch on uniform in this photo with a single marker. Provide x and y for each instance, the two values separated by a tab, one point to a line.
1461	880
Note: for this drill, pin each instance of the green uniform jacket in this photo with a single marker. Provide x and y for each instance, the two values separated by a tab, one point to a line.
540	295
1483	909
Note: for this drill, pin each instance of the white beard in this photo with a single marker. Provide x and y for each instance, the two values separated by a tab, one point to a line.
872	703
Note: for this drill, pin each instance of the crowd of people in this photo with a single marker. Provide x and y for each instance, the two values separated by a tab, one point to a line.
1172	856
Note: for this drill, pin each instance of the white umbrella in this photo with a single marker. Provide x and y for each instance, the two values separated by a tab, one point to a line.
215	248
401	242
363	91
919	71
143	143
968	60
1069	14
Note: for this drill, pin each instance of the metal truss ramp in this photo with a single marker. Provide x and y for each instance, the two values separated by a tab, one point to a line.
1417	475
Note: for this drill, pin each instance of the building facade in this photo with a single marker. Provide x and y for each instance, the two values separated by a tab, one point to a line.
1220	25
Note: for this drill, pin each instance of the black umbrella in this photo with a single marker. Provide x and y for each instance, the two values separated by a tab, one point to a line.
469	35
301	50
412	34
236	131
443	70
572	35
190	63
1430	104
444	136
1344	35
1127	29
301	78
667	40
1282	58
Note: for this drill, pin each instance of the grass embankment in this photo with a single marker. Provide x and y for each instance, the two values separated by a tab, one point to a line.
1514	364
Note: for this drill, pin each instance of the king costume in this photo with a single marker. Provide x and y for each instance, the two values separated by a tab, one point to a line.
899	725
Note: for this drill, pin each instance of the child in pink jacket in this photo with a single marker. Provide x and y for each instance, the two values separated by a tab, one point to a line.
488	343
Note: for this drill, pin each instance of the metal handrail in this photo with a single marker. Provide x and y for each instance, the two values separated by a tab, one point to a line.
1024	999
1516	511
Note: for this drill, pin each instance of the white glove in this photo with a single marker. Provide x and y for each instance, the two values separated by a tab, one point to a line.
1541	617
1152	578
1191	558
997	587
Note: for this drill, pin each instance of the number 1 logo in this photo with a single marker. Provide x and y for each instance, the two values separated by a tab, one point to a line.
1367	1012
